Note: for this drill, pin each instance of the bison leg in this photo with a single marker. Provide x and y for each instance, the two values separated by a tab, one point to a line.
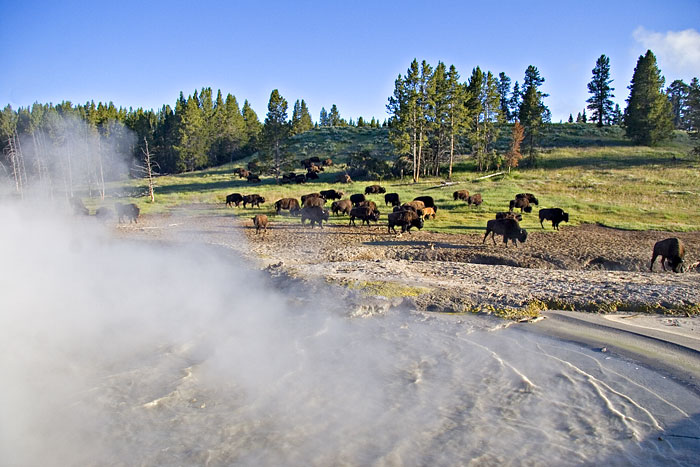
653	258
486	235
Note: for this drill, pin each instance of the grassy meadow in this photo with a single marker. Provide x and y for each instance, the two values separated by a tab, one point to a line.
610	183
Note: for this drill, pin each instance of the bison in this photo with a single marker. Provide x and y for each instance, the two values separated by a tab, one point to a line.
509	228
288	204
327	162
392	198
128	211
670	249
364	213
300	178
417	206
374	189
370	204
243	173
556	215
357	198
474	200
405	219
343	178
461	195
311	175
252	178
427	201
234	198
260	222
429	212
314	214
311	195
529	197
254	200
103	213
344	206
522	203
509	215
332	194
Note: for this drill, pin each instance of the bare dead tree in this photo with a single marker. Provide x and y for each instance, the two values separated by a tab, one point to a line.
14	155
148	170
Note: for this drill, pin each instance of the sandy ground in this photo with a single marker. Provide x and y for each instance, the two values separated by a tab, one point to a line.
455	273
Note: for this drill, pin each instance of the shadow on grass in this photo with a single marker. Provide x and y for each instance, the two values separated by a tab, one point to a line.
611	162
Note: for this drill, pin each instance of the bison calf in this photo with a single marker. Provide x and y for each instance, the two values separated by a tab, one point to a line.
671	249
260	222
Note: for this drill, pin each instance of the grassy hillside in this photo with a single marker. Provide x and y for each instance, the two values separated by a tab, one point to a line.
613	184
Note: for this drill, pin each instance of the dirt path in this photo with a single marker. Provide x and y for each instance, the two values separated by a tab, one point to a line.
584	266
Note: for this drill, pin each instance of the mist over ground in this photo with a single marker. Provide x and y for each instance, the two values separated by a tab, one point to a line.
125	352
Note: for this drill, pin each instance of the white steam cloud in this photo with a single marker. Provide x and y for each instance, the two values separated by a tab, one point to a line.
678	52
138	353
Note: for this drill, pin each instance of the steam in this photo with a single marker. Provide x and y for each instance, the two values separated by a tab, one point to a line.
121	352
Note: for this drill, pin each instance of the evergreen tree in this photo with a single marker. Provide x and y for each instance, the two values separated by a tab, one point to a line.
677	94
275	132
252	129
571	118
503	91
533	113
456	112
305	123
600	101
617	115
514	103
584	118
192	148
648	117
693	114
578	118
323	118
334	117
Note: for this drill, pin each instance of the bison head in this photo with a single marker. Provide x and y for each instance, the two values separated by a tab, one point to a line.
418	223
522	236
679	266
565	217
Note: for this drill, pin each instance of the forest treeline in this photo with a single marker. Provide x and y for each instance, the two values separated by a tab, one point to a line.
433	116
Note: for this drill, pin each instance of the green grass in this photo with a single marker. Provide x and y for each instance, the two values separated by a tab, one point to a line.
618	185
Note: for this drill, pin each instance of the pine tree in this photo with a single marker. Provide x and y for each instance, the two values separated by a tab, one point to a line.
648	117
617	116
403	123
275	132
192	145
305	123
252	129
334	117
513	155
571	118
323	118
693	114
533	113
456	112
677	94
601	100
514	103
578	118
584	118
503	91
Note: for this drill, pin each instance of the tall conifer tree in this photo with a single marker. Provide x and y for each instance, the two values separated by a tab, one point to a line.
600	102
275	131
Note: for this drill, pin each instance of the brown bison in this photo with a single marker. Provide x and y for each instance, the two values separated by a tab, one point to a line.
300	178
427	201
370	204
404	219
343	178
374	189
260	222
364	213
252	178
357	198
509	228
304	198
428	213
474	200
128	211
671	250
332	194
529	197
327	162
522	203
392	198
243	173
288	204
556	215
461	195
254	200
509	215
234	198
314	214
343	206
417	206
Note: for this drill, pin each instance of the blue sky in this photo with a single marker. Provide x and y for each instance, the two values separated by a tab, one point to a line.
142	54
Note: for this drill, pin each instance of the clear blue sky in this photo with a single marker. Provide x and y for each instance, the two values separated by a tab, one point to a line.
142	54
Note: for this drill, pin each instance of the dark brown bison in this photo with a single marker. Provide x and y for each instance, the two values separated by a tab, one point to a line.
287	204
357	198
475	200
556	215
509	228
343	178
254	200
392	198
671	250
509	215
78	207
311	175
300	178
364	213
374	189
129	211
234	198
370	204
405	219
417	206
522	203
314	214
104	213
309	196
314	201
343	206
243	173
332	194
260	222
252	178
461	195
529	197
427	201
